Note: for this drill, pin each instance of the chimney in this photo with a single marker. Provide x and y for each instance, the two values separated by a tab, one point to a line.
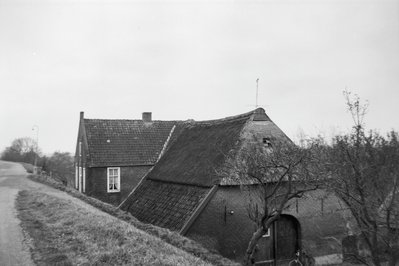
147	117
82	115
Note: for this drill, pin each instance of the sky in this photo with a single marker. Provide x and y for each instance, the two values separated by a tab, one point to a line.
194	60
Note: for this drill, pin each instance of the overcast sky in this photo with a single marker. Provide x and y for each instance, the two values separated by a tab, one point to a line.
197	60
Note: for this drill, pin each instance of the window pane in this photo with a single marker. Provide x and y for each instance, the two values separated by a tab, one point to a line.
113	179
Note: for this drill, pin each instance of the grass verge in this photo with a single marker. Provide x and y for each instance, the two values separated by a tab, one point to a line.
64	233
166	235
28	167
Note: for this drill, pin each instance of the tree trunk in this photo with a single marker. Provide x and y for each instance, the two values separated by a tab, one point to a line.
374	249
251	246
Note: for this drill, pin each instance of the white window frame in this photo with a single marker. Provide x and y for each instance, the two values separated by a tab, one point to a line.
84	179
267	233
118	178
76	177
80	179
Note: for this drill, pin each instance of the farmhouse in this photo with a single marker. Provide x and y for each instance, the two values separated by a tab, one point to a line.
113	155
185	193
167	173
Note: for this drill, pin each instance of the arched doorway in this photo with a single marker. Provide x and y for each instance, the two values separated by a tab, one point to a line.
279	246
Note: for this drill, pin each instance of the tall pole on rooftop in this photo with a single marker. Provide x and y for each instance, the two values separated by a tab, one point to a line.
37	145
256	104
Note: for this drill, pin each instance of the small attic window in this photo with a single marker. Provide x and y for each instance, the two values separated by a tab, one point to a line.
267	142
108	141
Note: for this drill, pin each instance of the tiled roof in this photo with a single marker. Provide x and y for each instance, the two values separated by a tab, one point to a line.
164	204
125	142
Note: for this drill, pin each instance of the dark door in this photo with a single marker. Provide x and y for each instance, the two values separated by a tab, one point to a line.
287	236
280	245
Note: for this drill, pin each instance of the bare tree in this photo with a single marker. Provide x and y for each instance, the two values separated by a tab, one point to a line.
21	150
60	166
363	168
272	175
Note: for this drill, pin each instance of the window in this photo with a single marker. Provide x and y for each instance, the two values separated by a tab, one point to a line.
84	180
113	179
80	179
76	176
267	233
80	149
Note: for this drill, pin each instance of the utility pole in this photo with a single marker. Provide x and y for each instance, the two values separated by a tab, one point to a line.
37	146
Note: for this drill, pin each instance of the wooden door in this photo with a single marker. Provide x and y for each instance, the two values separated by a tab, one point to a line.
281	245
287	239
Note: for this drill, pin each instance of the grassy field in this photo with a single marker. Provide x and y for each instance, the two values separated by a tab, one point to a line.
166	235
63	233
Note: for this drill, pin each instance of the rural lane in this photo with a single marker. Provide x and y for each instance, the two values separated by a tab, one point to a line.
13	249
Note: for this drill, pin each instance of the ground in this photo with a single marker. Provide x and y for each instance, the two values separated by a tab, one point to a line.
13	249
37	203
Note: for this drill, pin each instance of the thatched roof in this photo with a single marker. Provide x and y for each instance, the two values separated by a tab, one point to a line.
184	176
125	142
198	151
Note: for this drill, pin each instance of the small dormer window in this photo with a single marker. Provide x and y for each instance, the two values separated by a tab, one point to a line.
267	142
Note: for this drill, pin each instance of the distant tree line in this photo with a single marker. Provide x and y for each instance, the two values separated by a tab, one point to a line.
60	165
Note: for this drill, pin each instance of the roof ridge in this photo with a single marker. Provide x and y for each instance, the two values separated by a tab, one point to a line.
104	119
192	121
228	118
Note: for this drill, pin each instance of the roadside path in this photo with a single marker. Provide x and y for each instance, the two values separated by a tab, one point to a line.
13	247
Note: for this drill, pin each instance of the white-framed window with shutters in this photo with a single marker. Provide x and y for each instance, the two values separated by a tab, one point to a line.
113	179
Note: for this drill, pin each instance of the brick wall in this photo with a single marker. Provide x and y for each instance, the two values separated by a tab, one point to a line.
322	228
218	229
324	220
96	183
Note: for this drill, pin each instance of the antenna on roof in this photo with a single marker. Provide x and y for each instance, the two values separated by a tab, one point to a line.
256	104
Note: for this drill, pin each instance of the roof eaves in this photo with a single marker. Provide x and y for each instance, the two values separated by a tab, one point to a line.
119	165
